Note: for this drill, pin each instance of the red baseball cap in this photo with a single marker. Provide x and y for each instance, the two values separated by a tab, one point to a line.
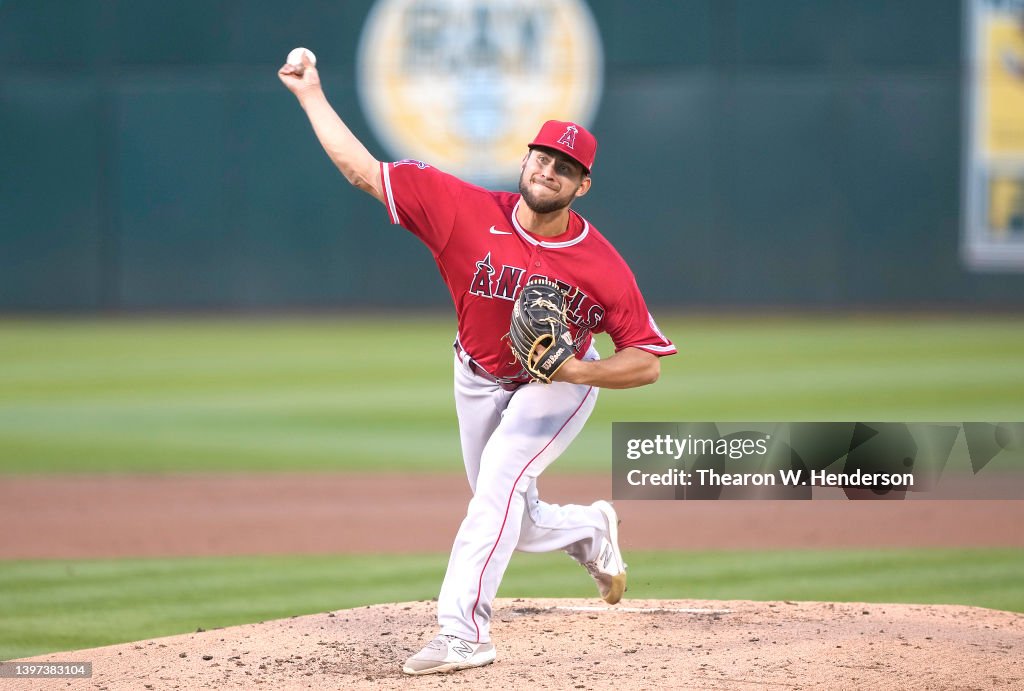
571	139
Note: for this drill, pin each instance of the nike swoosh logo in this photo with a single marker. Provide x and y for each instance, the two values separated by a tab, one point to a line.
495	231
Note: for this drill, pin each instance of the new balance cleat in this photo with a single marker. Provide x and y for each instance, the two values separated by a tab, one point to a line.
609	570
449	654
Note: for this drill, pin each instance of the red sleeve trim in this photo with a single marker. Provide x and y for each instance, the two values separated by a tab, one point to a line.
659	350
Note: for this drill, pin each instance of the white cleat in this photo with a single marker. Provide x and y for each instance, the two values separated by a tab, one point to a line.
609	570
449	654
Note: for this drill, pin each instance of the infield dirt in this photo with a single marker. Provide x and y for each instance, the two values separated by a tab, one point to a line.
98	516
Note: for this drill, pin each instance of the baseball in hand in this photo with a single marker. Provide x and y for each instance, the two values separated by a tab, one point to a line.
295	57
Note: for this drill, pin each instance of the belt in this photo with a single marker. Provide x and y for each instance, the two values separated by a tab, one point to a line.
477	369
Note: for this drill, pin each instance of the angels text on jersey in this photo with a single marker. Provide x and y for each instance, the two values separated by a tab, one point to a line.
487	282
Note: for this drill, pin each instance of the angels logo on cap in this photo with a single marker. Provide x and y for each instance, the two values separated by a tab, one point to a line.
569	137
574	140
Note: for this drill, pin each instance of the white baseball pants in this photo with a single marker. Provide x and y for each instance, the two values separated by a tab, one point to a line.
508	439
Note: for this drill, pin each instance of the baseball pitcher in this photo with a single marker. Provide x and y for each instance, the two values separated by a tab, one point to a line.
531	281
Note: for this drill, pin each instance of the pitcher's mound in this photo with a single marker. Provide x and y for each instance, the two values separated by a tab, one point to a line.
566	644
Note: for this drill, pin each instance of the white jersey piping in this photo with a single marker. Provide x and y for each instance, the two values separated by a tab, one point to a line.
389	193
552	245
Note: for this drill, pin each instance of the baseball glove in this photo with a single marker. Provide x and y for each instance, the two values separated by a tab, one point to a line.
538	321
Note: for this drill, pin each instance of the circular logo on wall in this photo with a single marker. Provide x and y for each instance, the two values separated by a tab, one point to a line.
465	84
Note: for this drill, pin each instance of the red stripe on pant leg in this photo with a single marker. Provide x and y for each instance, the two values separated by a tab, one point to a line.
508	506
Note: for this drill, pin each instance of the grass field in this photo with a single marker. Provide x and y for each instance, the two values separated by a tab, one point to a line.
205	394
56	605
343	393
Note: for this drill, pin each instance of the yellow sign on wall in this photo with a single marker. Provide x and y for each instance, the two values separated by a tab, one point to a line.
993	229
1004	85
1006	207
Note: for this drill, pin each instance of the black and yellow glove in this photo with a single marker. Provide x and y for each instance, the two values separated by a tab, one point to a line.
539	333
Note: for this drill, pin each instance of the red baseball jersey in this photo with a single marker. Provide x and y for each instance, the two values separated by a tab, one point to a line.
485	257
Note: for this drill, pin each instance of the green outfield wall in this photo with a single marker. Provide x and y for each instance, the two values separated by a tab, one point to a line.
752	153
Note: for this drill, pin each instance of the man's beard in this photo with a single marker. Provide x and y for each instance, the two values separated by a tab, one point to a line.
539	206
